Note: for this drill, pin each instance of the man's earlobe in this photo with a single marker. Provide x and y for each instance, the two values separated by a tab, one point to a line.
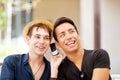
27	40
57	44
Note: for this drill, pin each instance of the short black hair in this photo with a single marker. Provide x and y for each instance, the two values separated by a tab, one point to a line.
60	21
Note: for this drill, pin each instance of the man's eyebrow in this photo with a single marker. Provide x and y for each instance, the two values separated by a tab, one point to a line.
37	35
71	29
41	35
47	36
61	33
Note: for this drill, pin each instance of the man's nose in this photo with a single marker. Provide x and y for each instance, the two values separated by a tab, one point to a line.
41	40
68	36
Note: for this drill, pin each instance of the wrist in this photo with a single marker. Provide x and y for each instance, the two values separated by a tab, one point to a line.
54	73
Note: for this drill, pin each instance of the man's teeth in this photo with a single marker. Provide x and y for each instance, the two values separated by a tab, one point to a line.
70	43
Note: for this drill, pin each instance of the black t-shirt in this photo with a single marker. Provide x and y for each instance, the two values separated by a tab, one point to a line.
92	59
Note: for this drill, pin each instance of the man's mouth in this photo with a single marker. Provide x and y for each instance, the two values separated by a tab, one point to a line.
71	43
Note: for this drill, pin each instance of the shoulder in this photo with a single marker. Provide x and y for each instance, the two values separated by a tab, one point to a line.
101	58
97	55
65	61
96	52
100	53
64	64
14	58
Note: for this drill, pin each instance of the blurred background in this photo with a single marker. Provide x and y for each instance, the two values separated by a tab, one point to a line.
98	22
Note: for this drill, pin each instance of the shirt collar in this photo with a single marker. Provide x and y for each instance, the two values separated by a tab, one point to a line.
25	60
26	57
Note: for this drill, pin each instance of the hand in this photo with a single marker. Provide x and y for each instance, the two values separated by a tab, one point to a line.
55	62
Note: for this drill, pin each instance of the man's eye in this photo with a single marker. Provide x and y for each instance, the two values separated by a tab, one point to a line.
47	38
61	35
72	31
37	37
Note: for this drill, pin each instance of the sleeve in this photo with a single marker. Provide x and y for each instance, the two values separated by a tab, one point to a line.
101	59
7	71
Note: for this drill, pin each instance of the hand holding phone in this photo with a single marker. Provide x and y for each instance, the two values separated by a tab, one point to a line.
53	49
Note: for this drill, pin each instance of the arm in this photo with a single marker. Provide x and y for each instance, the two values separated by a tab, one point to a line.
7	70
101	69
54	63
100	74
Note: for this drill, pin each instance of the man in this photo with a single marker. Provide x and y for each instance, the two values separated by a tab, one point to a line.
79	63
32	65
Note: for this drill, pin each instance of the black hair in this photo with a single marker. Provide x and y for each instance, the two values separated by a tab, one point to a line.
60	21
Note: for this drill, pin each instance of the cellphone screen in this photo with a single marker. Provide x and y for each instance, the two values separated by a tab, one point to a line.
52	47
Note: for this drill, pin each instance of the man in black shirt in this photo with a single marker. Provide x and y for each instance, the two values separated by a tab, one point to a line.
79	63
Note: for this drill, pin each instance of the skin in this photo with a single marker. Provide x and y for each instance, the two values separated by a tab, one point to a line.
69	41
39	41
38	44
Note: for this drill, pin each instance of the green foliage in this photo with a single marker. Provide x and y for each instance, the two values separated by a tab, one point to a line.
3	1
3	15
22	4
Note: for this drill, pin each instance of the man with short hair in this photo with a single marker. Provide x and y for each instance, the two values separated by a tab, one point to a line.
79	63
32	65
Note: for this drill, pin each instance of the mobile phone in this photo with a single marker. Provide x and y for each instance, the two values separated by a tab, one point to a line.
53	49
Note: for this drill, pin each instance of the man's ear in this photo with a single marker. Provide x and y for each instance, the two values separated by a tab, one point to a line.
27	39
57	44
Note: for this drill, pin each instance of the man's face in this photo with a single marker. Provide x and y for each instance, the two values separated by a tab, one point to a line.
39	41
68	38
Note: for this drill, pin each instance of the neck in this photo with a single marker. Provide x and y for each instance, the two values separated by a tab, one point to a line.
37	65
76	56
34	59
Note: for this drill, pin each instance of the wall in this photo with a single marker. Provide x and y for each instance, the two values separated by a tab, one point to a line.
52	9
110	34
87	23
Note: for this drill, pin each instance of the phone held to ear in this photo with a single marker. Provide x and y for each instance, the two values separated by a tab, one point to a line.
53	49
